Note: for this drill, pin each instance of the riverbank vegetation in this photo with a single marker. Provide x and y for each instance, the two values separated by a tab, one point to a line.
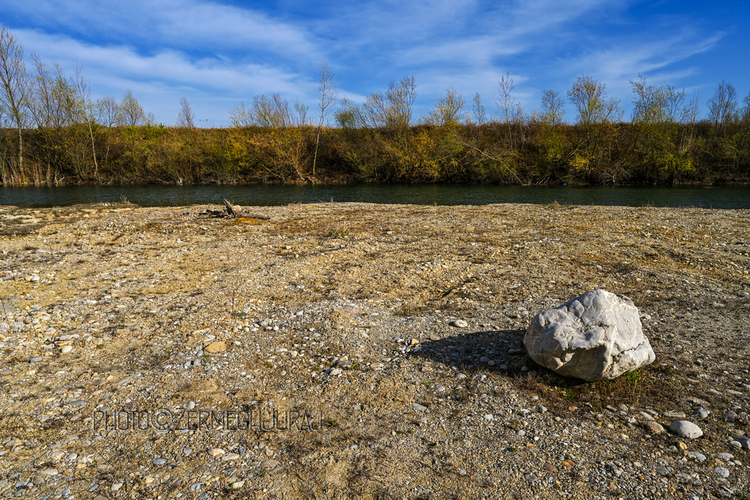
55	134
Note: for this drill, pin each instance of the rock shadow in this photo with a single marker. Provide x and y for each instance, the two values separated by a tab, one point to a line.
491	351
499	351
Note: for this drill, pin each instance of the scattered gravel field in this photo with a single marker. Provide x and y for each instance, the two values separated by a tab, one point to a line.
348	350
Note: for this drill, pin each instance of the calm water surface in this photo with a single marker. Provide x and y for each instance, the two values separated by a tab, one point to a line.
440	194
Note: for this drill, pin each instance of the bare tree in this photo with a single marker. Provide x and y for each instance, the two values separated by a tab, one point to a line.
477	110
589	97
506	105
553	109
722	107
186	117
14	85
655	104
130	111
272	112
241	116
392	110
745	116
300	114
107	111
327	91
448	109
401	99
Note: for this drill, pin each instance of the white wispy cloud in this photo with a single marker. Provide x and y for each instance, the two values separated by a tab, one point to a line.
218	54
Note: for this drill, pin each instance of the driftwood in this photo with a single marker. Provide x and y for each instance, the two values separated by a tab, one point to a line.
231	212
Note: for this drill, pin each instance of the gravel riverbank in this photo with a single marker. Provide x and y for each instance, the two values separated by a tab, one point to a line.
364	351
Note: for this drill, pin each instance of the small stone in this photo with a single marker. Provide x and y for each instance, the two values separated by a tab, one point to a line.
722	471
686	429
195	486
237	485
682	446
730	416
654	427
698	456
160	461
216	452
190	405
215	347
49	472
35	360
726	456
116	486
683	478
744	442
270	464
418	407
66	349
662	470
551	468
459	323
230	456
702	413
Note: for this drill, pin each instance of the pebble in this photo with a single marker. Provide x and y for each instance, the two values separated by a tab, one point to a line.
270	464
744	442
418	407
230	456
35	360
215	347
683	478
216	452
160	461
662	470
49	472
702	413
190	405
698	456
654	427
685	429
722	471
66	349
459	323
730	416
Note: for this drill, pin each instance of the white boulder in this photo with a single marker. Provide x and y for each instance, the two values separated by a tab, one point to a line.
592	337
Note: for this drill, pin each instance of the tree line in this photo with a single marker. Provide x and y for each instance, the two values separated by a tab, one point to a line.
54	134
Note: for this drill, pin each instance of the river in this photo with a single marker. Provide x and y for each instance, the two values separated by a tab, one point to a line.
432	194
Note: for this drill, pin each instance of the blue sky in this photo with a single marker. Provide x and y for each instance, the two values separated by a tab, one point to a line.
219	53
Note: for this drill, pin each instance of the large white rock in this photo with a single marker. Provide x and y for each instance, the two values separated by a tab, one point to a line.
595	336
